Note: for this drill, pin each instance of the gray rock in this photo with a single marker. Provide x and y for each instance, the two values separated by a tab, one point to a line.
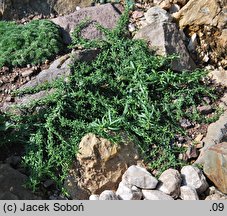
125	192
192	176
13	160
155	195
108	195
139	177
215	134
156	14
94	197
106	15
12	185
188	193
170	182
165	39
215	165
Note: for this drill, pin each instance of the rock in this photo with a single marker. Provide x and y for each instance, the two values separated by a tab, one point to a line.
193	43
94	197
185	123
156	14
215	165
105	15
215	134
101	164
12	185
48	183
170	182
139	177
174	8
69	6
155	195
193	177
220	76
13	160
192	152
204	110
108	195
188	193
215	197
164	37
126	192
206	18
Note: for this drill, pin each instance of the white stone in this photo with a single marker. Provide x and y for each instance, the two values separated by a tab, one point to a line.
126	192
155	195
94	197
170	182
188	193
139	177
192	176
157	15
108	195
193	43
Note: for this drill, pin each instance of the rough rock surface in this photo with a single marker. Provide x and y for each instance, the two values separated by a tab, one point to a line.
207	18
193	177
170	182
188	193
106	15
10	9
155	195
101	165
164	37
139	177
11	185
215	165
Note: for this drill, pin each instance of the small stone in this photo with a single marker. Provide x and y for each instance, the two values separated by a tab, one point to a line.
174	8
192	152
27	73
185	123
200	145
9	99
48	183
108	195
204	110
188	193
13	160
192	176
155	195
94	197
131	27
137	14
139	177
170	182
193	43
126	192
198	138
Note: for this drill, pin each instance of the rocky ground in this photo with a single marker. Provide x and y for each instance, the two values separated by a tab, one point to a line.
196	30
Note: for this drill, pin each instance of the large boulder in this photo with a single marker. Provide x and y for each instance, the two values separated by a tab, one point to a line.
12	185
215	165
106	15
206	18
164	37
100	165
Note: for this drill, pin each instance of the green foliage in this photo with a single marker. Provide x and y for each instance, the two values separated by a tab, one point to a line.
126	88
32	43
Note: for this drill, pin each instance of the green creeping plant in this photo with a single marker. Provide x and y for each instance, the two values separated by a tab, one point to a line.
126	88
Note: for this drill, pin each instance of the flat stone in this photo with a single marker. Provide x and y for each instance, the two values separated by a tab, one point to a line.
155	195
188	193
106	15
193	177
170	182
139	177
